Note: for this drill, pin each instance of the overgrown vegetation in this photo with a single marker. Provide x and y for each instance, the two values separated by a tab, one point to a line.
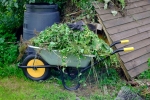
8	49
10	71
122	2
144	89
10	20
149	62
77	42
146	74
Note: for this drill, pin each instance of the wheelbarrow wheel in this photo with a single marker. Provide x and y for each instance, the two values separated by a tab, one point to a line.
72	72
35	74
72	82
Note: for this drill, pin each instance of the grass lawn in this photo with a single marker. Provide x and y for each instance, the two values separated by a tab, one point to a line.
15	86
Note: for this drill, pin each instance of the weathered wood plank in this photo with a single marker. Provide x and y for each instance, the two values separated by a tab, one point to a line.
109	16
144	28
131	32
137	62
135	27
98	5
102	11
137	45
127	19
138	37
131	4
136	71
135	54
128	26
138	9
118	21
137	4
130	1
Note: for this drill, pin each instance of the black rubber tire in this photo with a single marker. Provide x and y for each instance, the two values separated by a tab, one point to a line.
74	77
44	75
72	72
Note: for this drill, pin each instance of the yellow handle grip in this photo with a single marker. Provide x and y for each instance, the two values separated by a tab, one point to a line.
124	41
128	49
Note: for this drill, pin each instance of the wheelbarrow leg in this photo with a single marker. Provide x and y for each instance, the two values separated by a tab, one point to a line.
64	83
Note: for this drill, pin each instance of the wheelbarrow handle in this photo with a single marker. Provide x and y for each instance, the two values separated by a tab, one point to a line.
118	42
128	49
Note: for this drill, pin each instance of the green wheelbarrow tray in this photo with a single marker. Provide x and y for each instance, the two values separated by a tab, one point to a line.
55	58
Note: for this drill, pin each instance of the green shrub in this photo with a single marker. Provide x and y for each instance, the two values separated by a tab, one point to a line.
10	20
110	77
10	70
8	49
145	74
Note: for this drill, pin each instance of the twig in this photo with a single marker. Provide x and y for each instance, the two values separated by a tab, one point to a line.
11	42
73	13
97	5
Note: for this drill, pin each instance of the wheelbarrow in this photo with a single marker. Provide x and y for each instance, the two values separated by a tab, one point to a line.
37	67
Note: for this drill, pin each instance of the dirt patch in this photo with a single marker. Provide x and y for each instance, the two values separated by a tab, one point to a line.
71	12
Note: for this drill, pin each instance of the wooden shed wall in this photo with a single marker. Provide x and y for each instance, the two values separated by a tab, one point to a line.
135	26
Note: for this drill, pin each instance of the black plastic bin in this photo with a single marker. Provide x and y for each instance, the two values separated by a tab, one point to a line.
37	17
